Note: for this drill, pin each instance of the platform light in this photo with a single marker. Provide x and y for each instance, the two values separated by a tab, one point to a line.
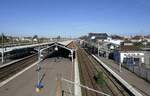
56	48
39	85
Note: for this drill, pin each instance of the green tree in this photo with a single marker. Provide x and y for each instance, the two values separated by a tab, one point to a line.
3	38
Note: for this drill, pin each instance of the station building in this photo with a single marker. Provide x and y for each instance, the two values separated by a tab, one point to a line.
129	54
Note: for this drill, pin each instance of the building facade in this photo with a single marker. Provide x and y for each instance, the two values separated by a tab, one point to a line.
129	54
147	57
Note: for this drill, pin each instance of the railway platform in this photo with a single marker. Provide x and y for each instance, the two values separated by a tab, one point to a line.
138	83
24	84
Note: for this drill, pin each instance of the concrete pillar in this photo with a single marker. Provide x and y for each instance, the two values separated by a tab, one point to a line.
120	65
140	62
72	56
107	55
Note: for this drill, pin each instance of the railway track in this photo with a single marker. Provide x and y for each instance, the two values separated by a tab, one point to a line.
85	75
89	68
9	70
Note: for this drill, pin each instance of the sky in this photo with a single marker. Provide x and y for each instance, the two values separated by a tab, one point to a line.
73	18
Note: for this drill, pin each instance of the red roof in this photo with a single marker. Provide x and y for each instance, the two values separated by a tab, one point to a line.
71	45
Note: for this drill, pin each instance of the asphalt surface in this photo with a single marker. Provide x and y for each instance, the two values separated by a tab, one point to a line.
24	85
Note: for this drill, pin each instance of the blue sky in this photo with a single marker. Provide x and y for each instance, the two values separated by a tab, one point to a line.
74	17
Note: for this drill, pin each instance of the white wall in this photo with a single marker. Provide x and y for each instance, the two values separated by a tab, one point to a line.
114	41
133	54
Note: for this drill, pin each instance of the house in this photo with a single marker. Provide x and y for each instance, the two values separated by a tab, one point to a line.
97	36
115	39
137	38
129	54
26	39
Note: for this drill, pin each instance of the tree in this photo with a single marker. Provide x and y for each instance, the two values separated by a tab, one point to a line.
35	37
3	38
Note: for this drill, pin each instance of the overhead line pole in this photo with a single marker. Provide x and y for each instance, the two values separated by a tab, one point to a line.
98	48
2	48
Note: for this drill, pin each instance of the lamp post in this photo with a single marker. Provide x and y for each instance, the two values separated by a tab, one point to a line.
38	65
39	85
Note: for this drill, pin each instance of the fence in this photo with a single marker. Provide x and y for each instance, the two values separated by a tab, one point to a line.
139	71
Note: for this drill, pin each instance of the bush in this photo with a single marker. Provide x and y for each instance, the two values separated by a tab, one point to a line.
99	78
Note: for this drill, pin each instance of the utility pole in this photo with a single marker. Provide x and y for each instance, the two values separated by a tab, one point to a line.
98	48
2	48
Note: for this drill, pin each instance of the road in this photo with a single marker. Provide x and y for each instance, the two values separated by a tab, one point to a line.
24	85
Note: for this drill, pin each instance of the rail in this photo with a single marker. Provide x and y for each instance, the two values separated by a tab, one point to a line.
122	81
11	69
